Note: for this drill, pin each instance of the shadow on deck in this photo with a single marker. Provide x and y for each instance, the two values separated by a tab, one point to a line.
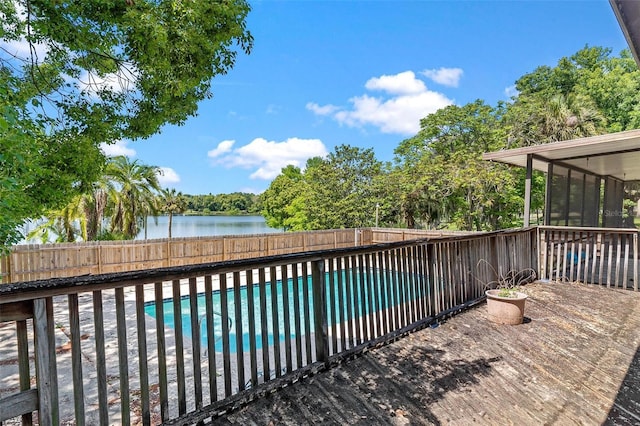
626	408
576	360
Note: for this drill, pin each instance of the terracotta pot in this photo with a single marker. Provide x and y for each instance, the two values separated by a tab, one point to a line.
505	310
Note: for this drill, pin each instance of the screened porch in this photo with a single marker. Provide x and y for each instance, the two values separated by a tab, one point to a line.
589	233
586	178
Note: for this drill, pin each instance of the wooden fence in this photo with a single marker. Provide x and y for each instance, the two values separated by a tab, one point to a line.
178	345
36	262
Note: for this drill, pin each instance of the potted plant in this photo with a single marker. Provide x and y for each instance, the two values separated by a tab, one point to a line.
505	299
505	307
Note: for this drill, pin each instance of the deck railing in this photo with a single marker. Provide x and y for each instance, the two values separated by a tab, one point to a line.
178	345
604	256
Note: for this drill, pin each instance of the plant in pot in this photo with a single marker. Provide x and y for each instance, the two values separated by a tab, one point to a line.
505	298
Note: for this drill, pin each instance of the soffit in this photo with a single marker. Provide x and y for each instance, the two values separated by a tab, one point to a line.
628	14
614	154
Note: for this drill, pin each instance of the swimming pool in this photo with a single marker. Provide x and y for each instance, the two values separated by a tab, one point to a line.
344	284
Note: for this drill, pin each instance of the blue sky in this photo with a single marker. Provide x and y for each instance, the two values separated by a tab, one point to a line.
325	73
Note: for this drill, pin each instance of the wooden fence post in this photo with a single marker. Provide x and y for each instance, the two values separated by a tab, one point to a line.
99	257
268	239
6	260
10	267
320	310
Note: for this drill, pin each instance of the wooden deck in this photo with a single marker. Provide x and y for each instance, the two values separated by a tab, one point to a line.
575	360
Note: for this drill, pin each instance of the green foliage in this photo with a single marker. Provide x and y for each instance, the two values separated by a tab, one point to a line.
534	120
589	93
106	235
135	199
134	65
125	195
172	202
37	172
283	203
472	127
438	178
95	72
235	203
441	177
340	191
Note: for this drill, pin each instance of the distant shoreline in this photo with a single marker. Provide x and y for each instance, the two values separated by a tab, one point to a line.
193	213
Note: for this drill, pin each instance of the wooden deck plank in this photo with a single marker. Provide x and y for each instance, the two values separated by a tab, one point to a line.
576	360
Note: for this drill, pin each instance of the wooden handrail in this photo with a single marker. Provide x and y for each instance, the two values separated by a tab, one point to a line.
265	319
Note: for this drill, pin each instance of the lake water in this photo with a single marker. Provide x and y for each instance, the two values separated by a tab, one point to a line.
202	226
190	226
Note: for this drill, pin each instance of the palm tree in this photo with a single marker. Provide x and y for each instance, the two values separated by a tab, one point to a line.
570	117
95	204
66	224
172	202
562	117
134	199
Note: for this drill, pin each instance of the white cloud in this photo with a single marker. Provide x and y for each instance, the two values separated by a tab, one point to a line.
222	148
404	83
445	76
119	82
90	83
321	110
400	112
167	176
251	190
21	50
267	158
511	91
117	148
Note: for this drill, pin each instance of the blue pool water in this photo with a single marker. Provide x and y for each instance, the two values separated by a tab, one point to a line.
185	311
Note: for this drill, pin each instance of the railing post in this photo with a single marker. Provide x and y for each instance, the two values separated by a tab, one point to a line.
497	268
635	261
47	401
431	278
320	310
542	253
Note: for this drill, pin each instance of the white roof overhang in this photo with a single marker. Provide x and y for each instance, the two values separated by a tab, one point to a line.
628	14
614	154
